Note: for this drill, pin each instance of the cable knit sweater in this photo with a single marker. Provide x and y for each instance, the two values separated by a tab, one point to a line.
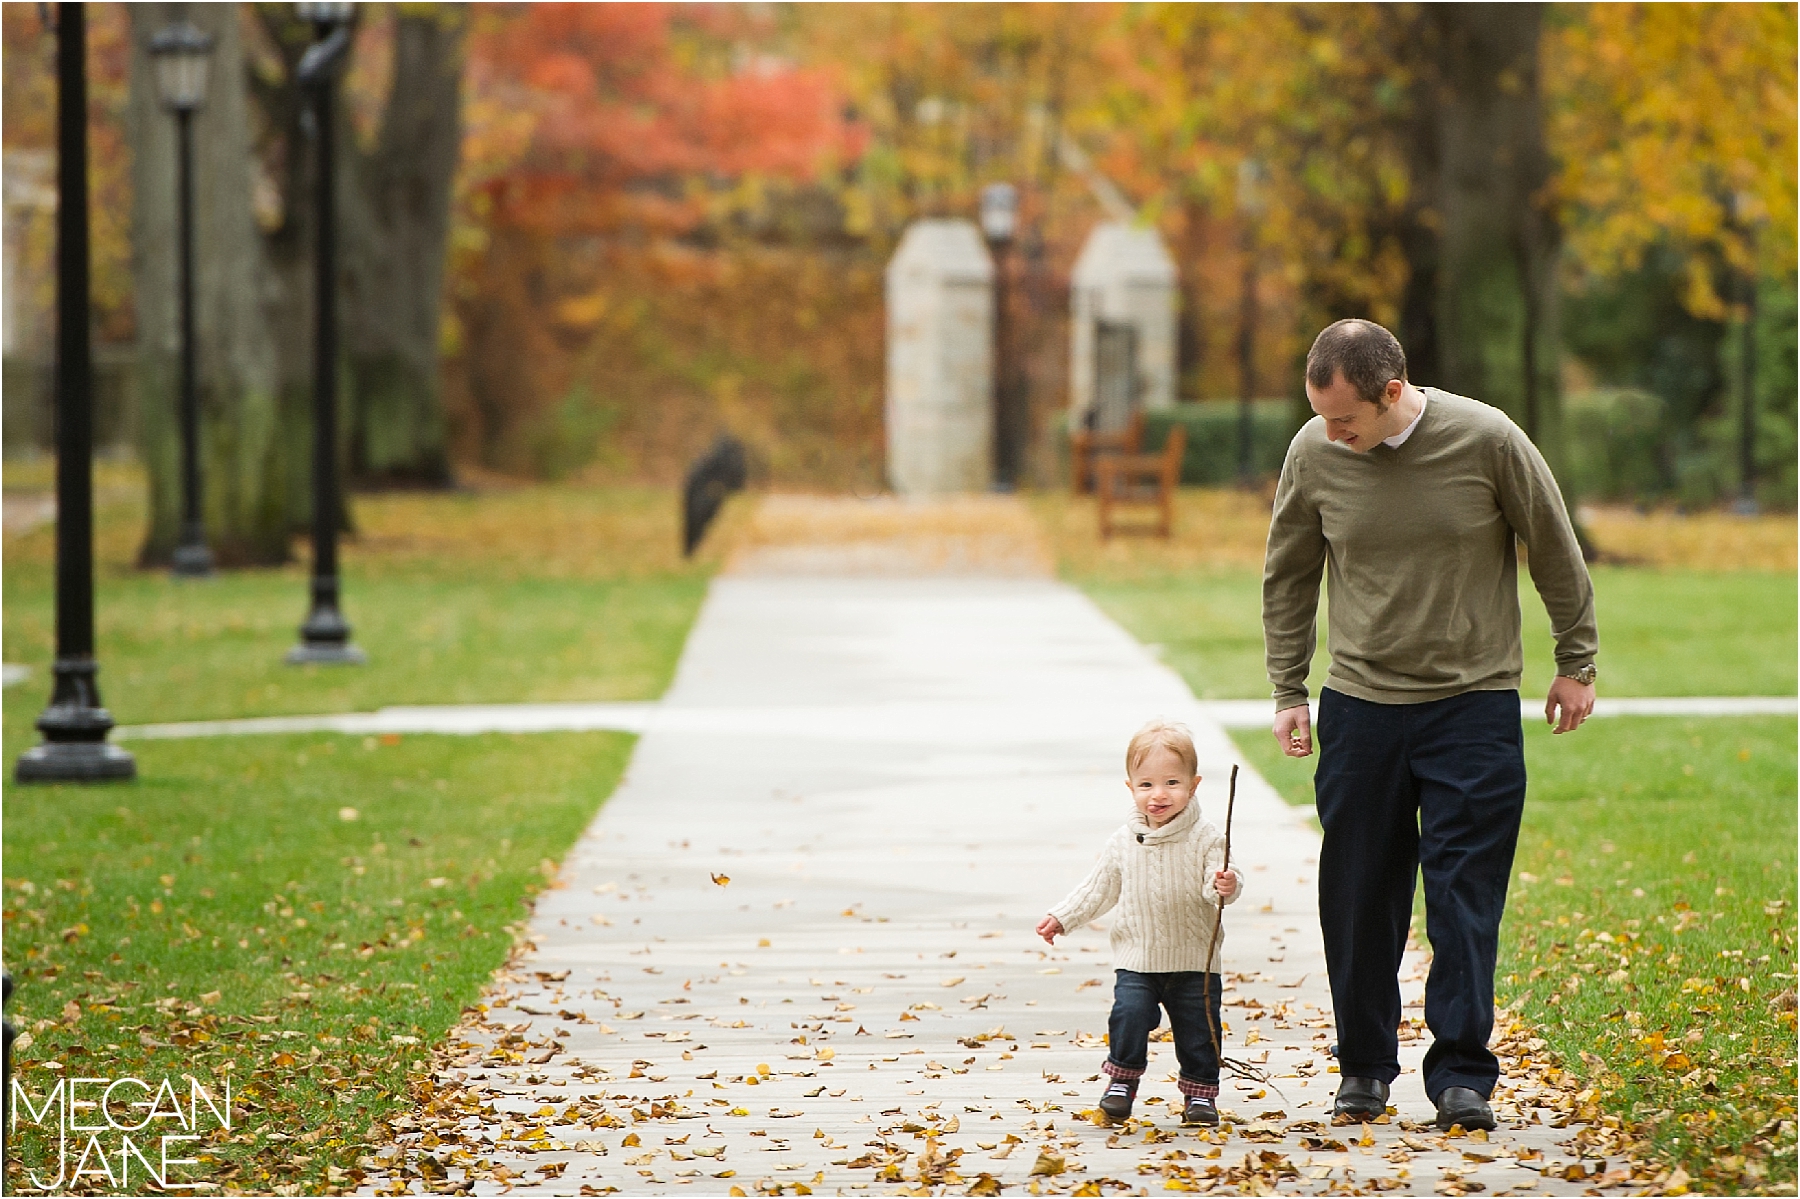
1162	881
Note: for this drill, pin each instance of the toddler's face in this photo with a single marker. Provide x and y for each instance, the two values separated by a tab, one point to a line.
1161	787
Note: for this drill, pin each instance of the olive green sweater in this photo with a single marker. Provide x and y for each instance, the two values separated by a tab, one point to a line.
1419	542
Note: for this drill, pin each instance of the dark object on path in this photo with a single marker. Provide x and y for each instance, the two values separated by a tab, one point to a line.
714	475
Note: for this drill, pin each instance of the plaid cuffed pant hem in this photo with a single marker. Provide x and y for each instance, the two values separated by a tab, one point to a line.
1112	1069
1198	1090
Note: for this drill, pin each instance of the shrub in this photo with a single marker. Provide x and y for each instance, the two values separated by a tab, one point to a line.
1624	445
1211	459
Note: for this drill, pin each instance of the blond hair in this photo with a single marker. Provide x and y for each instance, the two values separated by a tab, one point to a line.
1162	734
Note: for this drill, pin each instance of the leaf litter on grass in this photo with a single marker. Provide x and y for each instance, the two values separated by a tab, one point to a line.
309	960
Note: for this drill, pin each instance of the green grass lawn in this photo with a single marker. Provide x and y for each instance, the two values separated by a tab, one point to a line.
540	594
186	651
1671	632
1661	632
1650	932
1206	625
306	915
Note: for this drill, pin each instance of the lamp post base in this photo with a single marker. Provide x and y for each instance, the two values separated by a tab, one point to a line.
326	653
191	562
75	762
325	637
74	725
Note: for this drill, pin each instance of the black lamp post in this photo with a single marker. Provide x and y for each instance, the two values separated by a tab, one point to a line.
999	220
182	55
325	637
74	725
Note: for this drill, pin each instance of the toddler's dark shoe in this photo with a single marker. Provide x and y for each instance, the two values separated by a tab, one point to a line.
1115	1103
1200	1111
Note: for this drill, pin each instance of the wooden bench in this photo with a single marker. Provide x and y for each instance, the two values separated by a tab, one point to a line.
1087	447
1141	480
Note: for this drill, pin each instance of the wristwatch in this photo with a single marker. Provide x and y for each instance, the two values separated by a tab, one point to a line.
1585	676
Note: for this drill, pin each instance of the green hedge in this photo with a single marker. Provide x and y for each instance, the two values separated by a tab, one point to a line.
1623	446
1211	459
1618	445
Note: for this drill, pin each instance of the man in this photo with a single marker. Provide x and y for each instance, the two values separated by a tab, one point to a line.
1412	499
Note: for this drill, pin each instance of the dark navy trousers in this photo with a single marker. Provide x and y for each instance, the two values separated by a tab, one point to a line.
1436	788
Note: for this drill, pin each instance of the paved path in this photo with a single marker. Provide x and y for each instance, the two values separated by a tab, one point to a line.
912	770
644	717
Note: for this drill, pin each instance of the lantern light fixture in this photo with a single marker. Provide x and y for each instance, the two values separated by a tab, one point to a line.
182	54
999	211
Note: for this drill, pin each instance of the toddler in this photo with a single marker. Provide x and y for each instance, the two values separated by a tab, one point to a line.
1163	871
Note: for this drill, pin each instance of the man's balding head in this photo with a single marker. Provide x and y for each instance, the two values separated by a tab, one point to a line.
1366	354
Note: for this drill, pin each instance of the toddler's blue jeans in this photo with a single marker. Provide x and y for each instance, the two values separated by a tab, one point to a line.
1186	995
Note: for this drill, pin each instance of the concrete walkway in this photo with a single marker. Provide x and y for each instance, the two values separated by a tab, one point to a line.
794	950
643	717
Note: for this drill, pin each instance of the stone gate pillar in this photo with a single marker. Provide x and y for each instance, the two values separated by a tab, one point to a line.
1124	276
940	361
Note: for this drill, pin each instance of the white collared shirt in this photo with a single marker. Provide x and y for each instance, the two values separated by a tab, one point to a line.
1399	439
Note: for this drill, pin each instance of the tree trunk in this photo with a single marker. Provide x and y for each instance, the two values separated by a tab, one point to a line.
1497	315
248	455
396	234
1190	346
1421	224
1496	288
254	287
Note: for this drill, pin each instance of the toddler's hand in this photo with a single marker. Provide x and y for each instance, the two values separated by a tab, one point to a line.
1050	928
1225	883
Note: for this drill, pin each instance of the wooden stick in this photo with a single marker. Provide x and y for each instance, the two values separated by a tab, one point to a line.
1230	807
1241	1068
1212	948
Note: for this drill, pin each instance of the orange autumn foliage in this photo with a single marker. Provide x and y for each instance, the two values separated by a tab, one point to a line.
608	147
28	100
1675	123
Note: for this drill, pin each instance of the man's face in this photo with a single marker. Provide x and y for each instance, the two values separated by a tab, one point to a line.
1350	419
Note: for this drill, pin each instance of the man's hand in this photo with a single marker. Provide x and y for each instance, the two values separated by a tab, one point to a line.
1225	883
1569	704
1293	731
1050	928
